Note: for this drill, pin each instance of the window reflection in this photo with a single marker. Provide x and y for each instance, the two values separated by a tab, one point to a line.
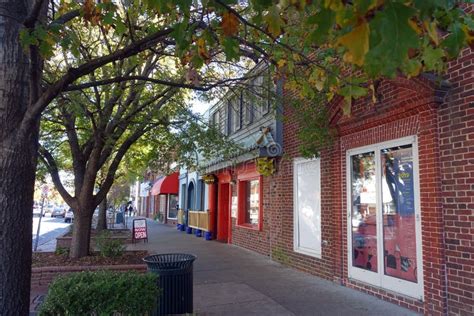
364	218
173	206
399	213
253	202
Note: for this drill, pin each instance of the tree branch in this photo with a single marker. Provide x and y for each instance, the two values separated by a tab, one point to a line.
63	19
52	167
35	109
109	179
31	19
153	80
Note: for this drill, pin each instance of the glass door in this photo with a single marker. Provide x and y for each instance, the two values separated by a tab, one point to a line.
384	228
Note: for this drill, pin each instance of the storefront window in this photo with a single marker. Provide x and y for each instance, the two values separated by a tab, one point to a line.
364	216
384	226
398	200
172	209
253	202
249	203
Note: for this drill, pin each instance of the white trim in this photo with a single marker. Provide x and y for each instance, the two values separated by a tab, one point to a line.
379	278
296	241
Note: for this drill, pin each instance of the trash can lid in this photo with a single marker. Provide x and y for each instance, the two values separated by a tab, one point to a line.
167	261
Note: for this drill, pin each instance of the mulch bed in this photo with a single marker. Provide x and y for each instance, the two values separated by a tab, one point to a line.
113	232
49	259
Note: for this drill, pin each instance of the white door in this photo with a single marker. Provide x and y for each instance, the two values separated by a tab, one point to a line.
307	207
384	226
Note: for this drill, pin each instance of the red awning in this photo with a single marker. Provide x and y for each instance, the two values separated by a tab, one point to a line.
166	185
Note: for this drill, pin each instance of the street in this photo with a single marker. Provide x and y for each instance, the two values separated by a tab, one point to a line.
50	229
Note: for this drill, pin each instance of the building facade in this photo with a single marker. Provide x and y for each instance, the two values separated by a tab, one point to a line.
386	209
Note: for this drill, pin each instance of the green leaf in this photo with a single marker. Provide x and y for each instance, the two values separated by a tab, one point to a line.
455	41
27	38
391	36
324	20
180	35
260	5
231	48
274	21
412	67
353	91
120	27
108	18
427	7
433	58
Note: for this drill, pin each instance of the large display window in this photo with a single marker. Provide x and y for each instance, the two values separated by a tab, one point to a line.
384	229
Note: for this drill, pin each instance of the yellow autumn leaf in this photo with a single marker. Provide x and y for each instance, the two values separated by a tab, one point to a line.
357	44
202	49
281	63
334	5
415	26
432	31
372	90
317	78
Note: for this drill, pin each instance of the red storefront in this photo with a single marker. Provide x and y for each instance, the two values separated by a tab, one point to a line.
165	195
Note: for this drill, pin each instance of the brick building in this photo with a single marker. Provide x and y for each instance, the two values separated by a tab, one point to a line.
387	209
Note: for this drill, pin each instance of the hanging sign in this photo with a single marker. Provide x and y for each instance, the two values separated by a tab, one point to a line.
139	229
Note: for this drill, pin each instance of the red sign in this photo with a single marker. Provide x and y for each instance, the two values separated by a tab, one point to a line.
139	229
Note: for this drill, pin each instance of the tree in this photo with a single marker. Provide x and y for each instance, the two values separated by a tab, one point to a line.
320	37
88	131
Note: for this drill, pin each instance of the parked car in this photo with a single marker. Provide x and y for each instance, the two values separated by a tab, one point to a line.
36	211
58	212
69	216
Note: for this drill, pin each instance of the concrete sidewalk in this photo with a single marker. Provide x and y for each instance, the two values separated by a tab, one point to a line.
232	281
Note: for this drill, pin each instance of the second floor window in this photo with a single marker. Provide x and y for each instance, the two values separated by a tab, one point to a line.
234	115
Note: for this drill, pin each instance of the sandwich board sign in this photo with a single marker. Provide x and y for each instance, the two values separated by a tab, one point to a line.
139	230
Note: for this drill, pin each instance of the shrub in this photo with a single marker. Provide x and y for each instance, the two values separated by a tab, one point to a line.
101	293
109	247
62	251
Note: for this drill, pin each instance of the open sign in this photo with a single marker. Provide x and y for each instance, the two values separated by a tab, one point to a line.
139	230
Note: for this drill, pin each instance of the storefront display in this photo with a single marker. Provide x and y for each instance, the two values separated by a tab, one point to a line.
384	232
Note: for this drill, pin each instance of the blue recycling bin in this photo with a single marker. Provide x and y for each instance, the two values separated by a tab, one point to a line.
119	218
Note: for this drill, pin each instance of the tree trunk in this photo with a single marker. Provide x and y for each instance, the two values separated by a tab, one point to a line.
102	220
18	156
81	234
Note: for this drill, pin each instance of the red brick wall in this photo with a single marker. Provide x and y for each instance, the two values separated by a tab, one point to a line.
404	109
456	126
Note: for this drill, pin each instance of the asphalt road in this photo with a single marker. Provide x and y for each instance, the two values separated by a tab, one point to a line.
49	230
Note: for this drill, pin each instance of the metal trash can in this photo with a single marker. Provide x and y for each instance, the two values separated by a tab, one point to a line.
175	280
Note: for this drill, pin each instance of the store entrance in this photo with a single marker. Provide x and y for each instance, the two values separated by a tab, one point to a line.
223	212
384	228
